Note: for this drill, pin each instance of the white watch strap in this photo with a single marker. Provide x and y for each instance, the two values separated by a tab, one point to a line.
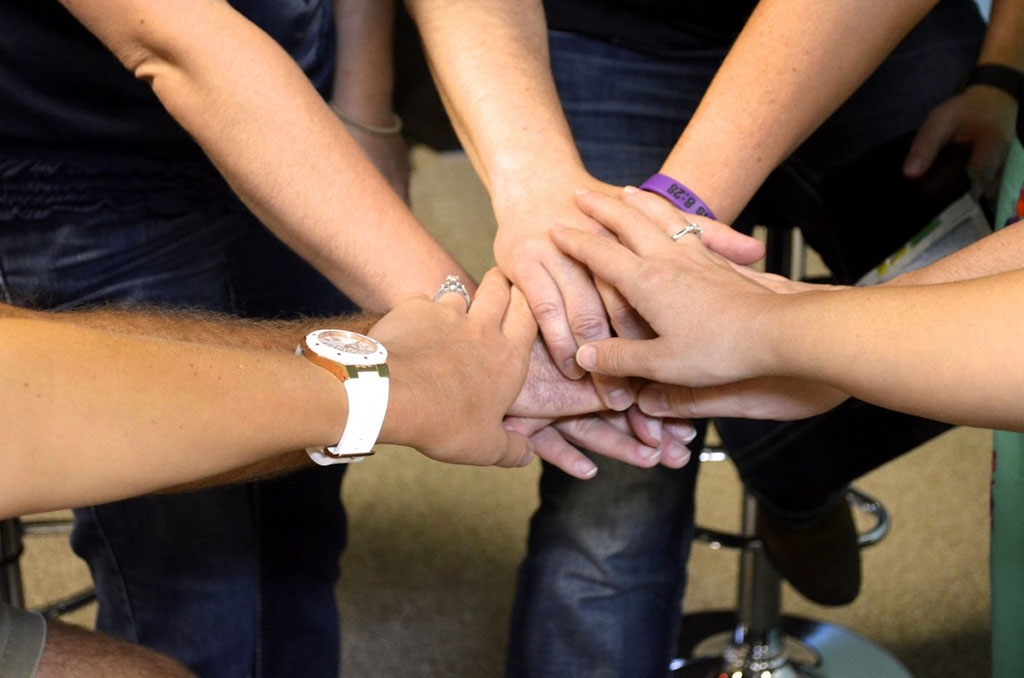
367	404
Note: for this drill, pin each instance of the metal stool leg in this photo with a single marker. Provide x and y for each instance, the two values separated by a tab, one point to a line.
11	548
757	641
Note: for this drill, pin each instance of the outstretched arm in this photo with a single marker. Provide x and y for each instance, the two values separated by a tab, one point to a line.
793	64
947	351
275	140
91	415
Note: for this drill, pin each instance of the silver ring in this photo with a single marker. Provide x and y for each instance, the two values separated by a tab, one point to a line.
689	228
452	284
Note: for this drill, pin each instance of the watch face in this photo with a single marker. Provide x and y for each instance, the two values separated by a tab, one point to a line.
348	347
347	342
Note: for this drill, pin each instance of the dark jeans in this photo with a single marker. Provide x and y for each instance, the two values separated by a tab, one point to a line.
235	581
599	591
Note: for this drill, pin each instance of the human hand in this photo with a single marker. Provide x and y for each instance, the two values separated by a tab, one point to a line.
780	284
710	340
777	398
547	393
610	434
454	374
570	307
982	117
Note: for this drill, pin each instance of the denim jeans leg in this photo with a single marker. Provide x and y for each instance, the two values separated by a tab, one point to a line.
599	591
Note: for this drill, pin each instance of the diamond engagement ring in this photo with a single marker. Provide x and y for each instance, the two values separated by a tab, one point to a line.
689	228
452	284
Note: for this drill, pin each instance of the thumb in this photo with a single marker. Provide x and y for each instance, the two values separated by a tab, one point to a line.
620	357
731	244
935	133
514	450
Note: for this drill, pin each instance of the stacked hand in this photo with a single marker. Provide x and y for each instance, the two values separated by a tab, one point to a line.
573	308
707	358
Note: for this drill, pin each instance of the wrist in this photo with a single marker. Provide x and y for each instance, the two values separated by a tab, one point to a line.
678	194
998	76
514	179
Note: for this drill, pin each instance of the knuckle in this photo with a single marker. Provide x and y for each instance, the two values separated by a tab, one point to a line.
547	312
589	325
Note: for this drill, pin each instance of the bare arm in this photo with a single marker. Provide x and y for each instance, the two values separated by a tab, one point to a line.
364	85
91	416
151	400
793	64
282	150
947	351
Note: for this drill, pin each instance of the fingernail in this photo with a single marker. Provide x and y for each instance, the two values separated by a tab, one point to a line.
586	357
582	191
586	469
620	399
654	400
654	428
649	453
630	189
684	433
676	451
912	166
571	368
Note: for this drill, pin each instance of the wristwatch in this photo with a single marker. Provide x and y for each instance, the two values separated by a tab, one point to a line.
361	364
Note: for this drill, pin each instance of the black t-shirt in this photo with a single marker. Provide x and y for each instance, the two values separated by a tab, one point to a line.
62	88
656	26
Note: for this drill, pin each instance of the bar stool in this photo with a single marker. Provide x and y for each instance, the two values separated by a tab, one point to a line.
756	640
12	546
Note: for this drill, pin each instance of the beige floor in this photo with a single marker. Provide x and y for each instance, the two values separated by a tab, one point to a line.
431	563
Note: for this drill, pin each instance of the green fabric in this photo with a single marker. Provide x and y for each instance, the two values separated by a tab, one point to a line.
1007	550
22	638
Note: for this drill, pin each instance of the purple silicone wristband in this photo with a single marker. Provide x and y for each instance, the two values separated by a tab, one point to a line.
679	195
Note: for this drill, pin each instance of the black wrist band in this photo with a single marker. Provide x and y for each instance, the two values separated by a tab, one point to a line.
1008	79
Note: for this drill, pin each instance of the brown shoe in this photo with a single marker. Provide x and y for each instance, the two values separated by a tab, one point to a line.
821	558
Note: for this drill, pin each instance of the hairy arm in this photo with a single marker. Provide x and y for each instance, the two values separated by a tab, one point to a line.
92	416
275	140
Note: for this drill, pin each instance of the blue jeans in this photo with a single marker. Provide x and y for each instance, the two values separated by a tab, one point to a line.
599	593
234	581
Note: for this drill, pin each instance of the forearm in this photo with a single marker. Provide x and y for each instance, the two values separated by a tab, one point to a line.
364	73
92	416
277	143
490	60
1000	252
1004	41
949	352
793	64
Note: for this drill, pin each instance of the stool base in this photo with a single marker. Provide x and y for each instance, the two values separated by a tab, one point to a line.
814	650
